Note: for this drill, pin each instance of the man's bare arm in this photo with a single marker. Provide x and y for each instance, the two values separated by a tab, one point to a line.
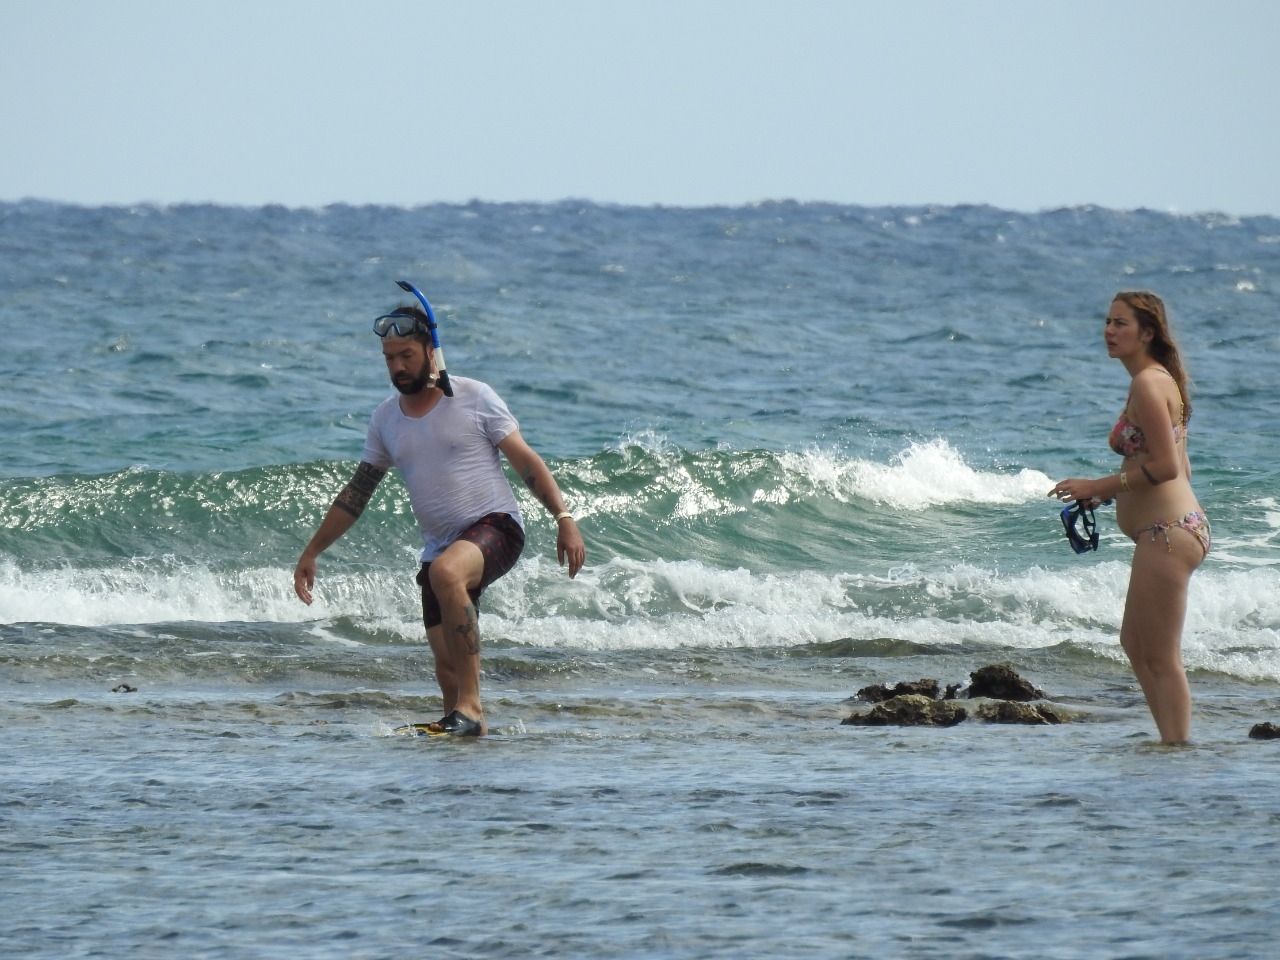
343	513
356	494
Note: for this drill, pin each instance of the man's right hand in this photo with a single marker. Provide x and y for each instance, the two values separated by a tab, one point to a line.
304	577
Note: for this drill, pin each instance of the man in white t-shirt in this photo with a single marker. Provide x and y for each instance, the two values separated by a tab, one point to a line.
446	449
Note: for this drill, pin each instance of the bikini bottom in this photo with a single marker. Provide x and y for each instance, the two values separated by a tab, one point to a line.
1195	523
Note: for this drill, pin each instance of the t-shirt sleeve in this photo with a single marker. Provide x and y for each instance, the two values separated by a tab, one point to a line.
375	450
494	418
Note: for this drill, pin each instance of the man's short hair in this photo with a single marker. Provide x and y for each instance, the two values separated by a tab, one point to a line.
421	333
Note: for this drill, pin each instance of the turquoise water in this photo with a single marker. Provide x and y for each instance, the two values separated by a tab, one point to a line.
808	446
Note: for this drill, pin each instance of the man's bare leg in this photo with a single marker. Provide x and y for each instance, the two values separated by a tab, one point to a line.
453	573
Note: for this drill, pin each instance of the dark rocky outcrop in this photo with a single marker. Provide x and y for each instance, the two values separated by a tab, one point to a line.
878	693
1008	711
1001	682
910	710
1265	731
917	703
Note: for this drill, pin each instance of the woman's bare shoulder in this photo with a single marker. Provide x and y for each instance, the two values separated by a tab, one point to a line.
1154	381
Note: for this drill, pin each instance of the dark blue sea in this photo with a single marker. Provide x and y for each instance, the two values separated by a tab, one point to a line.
809	447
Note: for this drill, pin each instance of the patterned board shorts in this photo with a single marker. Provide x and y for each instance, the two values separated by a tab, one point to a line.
500	539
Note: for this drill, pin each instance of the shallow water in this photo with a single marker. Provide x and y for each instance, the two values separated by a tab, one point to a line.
808	446
669	818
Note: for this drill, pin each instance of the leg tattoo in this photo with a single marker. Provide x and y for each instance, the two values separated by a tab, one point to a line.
469	630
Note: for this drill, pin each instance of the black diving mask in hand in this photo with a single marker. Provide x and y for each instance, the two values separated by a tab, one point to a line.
1081	525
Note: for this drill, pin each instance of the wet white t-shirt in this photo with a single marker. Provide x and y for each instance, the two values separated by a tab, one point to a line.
449	459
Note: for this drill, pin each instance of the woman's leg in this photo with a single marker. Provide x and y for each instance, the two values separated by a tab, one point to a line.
1151	633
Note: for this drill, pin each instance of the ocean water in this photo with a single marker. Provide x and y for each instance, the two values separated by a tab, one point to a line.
808	446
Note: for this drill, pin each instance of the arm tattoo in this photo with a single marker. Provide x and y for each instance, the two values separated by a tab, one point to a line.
355	495
1150	479
531	482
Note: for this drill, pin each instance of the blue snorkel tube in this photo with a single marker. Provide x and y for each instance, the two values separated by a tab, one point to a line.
443	381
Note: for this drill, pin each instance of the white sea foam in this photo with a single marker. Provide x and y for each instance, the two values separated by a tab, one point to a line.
922	476
161	592
1233	620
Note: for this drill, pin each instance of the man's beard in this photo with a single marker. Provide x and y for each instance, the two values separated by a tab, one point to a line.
417	384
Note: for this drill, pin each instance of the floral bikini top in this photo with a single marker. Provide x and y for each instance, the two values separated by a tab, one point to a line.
1127	438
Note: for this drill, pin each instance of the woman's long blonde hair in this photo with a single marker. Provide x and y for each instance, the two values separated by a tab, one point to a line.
1151	314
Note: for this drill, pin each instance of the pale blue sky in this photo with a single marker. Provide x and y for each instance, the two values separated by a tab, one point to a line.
1024	104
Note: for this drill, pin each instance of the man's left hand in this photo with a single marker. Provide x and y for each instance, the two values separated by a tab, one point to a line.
569	546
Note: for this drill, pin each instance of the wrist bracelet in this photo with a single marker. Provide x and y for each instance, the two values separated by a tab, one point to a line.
562	514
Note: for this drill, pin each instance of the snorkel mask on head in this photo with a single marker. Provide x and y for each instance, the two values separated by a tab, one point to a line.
399	324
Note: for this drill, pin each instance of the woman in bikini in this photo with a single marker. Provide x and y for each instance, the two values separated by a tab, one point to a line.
1155	505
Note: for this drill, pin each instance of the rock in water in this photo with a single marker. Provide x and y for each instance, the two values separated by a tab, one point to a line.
910	710
878	693
1007	711
1001	682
